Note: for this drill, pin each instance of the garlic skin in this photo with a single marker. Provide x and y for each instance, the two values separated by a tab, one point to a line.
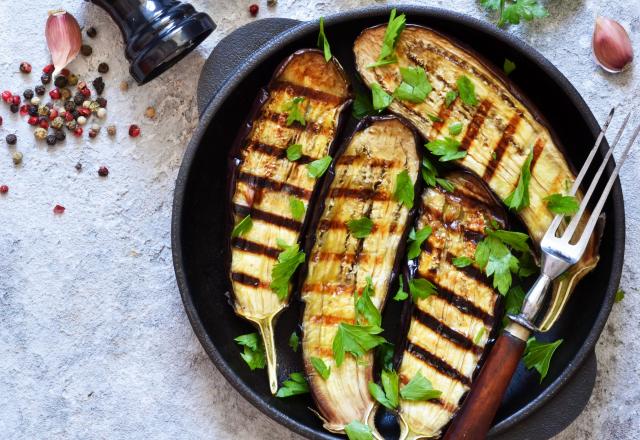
64	38
611	45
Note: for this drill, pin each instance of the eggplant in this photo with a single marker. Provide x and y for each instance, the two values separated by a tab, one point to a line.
498	134
448	331
339	264
264	179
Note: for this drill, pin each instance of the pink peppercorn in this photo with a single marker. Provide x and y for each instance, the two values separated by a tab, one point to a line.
253	9
15	99
48	69
103	171
55	94
134	130
4	189
6	96
77	131
58	209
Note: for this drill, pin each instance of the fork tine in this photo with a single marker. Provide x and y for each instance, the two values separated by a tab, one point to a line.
603	198
568	233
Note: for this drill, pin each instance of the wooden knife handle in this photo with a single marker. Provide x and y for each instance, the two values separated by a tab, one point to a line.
481	404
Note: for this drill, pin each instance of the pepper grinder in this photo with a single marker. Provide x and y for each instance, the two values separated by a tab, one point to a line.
157	33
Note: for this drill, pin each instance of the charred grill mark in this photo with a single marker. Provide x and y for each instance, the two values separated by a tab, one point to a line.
268	217
359	193
474	237
475	124
281	120
537	151
472	272
349	259
254	248
265	182
443	115
443	330
248	280
298	90
277	152
443	367
502	146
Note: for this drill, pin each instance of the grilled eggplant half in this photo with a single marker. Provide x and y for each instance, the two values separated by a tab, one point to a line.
340	264
265	179
448	331
498	132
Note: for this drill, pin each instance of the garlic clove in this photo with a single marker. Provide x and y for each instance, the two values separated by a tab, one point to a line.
64	38
611	45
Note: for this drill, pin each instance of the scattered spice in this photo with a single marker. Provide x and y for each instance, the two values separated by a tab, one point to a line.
78	166
103	67
48	69
14	108
11	139
55	94
51	140
272	2
78	131
25	67
98	84
28	94
40	133
39	90
16	157
60	136
103	171
81	120
253	9
4	189
92	32
134	130
33	120
111	130
101	101
86	50
45	78
101	113
58	209
124	86
72	79
60	81
15	100
150	112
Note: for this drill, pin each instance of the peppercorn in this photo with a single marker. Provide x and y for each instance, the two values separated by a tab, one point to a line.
32	110
11	139
124	86
272	2
54	94
65	94
69	105
98	84
71	125
103	171
15	99
24	109
134	130
77	132
111	130
93	106
25	67
43	110
78	98
16	157
68	116
253	9
49	105
86	50
35	100
60	136
65	72
53	113
75	114
78	166
40	133
39	90
81	85
51	140
14	108
93	133
83	111
45	78
58	209
33	120
103	67
43	123
4	189
92	32
150	112
60	81
72	79
48	69
101	113
57	123
28	94
101	101
6	96
82	120
85	92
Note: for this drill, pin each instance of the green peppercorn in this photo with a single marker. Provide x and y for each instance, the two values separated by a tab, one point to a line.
43	110
72	80
71	125
57	123
17	158
40	133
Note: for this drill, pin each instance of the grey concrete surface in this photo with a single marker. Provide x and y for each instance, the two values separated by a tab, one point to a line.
94	343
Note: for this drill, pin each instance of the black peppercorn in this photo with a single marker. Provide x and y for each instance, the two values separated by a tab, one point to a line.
51	140
86	50
14	108
69	105
45	78
98	84
11	139
78	98
60	81
103	171
92	32
33	110
101	102
28	94
78	166
60	136
39	90
103	67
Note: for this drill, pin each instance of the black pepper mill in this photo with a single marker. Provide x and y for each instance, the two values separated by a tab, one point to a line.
157	33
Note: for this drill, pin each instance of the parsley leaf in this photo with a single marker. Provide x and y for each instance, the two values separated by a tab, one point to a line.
365	307
421	288
294	152
414	86
362	106
455	128
447	149
297	208
467	90
538	355
445	184
495	258
434	118
296	384
401	295
619	295
294	341
253	353
355	339
295	113
559	204
478	337
450	97
404	189
462	261
513	303
384	355
394	29
525	10
508	66
419	388
242	227
318	167
357	430
360	228
323	43
381	99
387	395
288	261
417	238
429	172
321	367
528	266
517	240
519	198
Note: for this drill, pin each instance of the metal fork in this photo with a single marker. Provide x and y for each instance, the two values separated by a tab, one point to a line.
559	252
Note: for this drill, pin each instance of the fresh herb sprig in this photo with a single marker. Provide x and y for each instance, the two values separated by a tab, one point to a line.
387	394
404	191
416	238
446	148
519	198
253	353
515	11
493	255
319	166
421	288
415	85
294	111
242	227
321	367
561	204
366	311
538	355
355	339
419	388
288	261
394	29
323	42
357	430
296	384
361	227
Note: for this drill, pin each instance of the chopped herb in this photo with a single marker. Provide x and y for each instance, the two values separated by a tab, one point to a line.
619	295
455	128
494	256
296	384
559	204
242	227
417	238
318	167
525	10
527	265
445	184
538	355
321	367
419	388
384	355
381	99
360	228
288	261
421	288
357	430
297	208
429	172
478	337
362	106
294	152
494	155
450	97
519	198
414	86
508	66
253	353
295	113
365	308
355	339
390	39
323	43
462	261
447	149
388	394
517	240
294	341
401	295
404	189
512	303
467	90
434	118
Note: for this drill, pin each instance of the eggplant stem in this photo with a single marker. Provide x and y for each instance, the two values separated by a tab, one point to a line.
265	325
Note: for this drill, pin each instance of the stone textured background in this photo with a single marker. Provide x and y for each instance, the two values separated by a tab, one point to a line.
94	342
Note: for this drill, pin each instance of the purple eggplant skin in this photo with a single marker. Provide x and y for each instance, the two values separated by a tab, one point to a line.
259	168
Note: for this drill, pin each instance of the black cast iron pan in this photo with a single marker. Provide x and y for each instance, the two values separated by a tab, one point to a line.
244	63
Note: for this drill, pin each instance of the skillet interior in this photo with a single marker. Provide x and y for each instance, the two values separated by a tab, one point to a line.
201	194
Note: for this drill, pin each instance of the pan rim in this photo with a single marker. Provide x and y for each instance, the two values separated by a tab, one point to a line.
304	29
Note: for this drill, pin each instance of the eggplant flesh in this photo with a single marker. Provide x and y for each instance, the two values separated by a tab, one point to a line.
498	135
339	264
448	331
265	180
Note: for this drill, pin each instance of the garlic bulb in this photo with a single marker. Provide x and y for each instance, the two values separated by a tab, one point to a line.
63	38
611	45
